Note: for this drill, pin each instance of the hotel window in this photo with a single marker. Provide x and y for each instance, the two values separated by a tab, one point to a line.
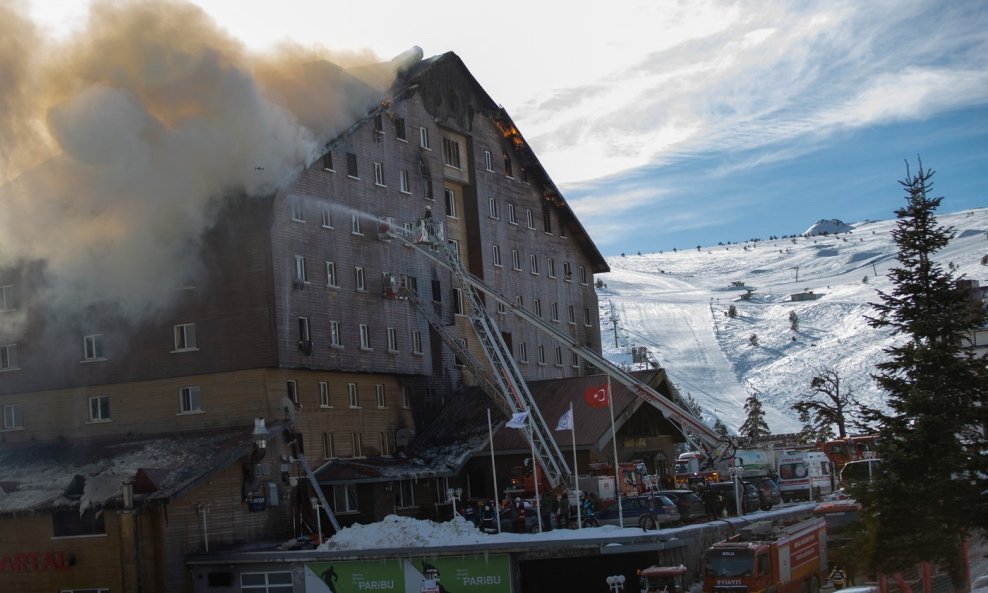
334	334
586	316
400	129
364	337
291	390
331	274
185	337
496	252
403	186
461	345
384	440
507	165
547	222
92	347
567	272
458	301
575	360
511	214
327	445
515	260
379	174
523	352
99	408
8	357
583	275
357	441
190	399
379	395
12	417
327	162
492	207
531	219
450	198
537	306
355	224
550	267
416	341
451	153
406	396
501	308
351	165
554	310
324	395
488	161
454	248
327	217
7	298
72	523
524	174
378	124
297	210
351	393
304	336
358	276
559	356
405	494
571	310
392	339
300	276
519	301
424	138
534	264
345	498
541	355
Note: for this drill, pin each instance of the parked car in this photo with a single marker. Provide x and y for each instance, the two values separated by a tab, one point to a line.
507	519
768	491
647	512
750	499
690	505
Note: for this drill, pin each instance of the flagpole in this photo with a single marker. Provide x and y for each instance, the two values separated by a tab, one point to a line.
497	500
576	473
617	471
535	476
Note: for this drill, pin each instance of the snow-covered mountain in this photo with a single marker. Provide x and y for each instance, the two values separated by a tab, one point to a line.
676	305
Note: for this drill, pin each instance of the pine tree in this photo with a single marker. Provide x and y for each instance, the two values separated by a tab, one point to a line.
720	428
754	426
827	405
933	469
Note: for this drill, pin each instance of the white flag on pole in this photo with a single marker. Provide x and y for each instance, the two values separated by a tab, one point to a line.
517	420
566	420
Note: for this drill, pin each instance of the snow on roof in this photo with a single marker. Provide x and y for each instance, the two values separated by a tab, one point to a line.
39	476
828	227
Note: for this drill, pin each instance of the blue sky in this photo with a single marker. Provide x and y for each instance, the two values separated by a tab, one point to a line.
669	124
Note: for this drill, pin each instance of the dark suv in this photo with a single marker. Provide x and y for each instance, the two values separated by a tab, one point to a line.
689	504
769	494
750	499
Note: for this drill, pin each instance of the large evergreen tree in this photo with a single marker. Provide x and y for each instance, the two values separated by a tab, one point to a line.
754	426
931	490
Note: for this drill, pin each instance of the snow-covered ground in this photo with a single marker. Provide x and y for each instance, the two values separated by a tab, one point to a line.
676	303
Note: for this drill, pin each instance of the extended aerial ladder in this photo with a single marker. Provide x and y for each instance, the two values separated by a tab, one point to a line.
427	237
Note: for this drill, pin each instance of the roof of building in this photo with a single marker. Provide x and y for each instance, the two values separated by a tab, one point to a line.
90	472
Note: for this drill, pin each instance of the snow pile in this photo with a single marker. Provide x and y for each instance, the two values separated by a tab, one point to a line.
827	227
405	532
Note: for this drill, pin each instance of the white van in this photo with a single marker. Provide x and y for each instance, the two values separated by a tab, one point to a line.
805	475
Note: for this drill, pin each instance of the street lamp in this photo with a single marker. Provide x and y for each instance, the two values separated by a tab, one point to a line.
317	507
454	495
616	583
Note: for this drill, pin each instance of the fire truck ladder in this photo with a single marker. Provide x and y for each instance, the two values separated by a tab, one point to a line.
715	444
511	387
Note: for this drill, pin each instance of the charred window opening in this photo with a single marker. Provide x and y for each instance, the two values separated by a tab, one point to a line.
378	125
507	165
400	128
351	165
547	221
72	523
327	162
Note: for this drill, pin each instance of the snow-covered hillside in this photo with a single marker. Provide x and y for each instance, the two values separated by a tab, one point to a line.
676	303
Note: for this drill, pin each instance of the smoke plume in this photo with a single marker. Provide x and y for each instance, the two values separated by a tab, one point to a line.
117	145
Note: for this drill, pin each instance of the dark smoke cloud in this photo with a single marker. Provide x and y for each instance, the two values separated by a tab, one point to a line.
117	145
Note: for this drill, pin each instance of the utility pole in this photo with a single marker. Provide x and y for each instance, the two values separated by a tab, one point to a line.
797	272
614	320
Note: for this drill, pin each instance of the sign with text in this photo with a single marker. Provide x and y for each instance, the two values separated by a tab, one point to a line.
459	574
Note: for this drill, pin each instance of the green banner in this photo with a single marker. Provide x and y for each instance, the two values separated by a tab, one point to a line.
449	574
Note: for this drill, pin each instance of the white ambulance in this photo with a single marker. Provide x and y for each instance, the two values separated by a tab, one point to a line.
805	475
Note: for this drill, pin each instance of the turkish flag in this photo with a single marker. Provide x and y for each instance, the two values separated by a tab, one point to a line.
596	396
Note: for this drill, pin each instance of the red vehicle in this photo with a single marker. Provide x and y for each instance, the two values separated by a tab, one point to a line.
853	448
769	556
663	579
